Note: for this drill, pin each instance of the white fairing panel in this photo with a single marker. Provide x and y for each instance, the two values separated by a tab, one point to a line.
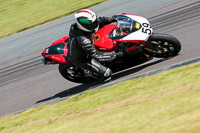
143	33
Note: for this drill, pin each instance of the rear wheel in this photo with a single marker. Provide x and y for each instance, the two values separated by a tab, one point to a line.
74	74
165	45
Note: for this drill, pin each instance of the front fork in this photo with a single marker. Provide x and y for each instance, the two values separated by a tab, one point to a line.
149	49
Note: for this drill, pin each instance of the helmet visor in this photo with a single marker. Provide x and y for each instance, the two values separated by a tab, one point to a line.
88	24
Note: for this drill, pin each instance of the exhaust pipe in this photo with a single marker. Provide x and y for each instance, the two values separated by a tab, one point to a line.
48	61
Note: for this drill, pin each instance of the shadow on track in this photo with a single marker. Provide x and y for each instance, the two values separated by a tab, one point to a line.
81	88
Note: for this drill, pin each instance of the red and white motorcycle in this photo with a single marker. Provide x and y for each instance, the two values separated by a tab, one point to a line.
132	34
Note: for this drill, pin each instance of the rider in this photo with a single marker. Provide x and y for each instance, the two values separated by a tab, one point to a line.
81	44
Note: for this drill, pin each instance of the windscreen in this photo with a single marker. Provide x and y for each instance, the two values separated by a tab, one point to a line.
126	25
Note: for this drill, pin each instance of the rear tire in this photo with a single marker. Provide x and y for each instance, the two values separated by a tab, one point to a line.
74	74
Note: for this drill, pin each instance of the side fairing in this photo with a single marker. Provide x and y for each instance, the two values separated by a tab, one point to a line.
101	40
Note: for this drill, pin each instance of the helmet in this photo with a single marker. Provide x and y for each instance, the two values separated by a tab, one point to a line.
86	20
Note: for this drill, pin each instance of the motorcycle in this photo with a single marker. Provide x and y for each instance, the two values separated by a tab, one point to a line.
132	34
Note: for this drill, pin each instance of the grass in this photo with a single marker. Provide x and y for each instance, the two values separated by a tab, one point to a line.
165	102
19	15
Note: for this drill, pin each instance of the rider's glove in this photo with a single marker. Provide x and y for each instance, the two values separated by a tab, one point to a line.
114	57
119	54
114	18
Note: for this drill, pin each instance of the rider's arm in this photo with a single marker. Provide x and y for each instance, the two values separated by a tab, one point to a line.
106	20
89	48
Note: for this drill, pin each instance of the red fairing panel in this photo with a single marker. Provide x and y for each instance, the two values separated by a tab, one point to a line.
102	42
57	55
61	40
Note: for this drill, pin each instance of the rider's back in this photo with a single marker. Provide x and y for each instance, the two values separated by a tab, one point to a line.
76	52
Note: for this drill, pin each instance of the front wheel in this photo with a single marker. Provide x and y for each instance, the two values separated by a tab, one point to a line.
74	74
164	45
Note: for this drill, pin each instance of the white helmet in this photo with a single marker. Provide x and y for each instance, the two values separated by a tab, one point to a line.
86	20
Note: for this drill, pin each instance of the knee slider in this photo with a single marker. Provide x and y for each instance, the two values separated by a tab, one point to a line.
107	73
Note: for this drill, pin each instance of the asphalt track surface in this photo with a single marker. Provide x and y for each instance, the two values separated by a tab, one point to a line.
25	82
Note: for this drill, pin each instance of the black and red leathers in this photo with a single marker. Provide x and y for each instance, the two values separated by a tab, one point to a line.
82	52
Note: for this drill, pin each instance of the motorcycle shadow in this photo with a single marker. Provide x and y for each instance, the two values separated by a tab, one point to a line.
80	89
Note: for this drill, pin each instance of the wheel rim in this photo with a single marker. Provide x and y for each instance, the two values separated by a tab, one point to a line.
73	73
164	48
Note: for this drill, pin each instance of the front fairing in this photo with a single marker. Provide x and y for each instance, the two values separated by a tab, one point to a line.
133	28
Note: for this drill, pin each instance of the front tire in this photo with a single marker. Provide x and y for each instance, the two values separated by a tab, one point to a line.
165	45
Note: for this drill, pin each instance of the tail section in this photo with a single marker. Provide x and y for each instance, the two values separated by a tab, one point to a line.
57	52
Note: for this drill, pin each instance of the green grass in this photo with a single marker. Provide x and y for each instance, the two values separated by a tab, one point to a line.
168	102
18	15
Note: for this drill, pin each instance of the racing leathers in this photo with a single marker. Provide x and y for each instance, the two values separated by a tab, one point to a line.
84	55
